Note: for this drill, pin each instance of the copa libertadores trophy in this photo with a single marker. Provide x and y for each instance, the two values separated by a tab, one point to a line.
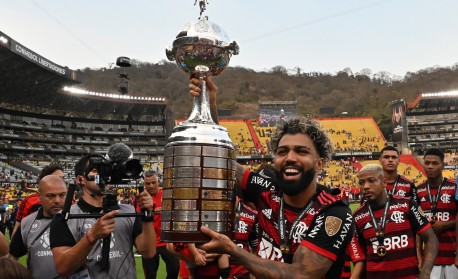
199	161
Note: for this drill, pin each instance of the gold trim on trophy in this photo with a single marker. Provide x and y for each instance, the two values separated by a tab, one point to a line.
215	173
217	205
183	172
185	226
186	193
185	204
166	204
215	194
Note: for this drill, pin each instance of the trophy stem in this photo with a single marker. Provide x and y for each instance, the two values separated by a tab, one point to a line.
201	106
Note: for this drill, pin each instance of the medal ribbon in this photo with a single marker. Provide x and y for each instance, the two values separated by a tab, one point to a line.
394	186
285	244
380	233
434	200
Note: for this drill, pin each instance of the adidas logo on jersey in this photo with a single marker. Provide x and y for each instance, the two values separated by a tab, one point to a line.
267	212
368	225
423	199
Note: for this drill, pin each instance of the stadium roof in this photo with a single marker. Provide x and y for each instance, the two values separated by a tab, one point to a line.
27	74
435	102
30	80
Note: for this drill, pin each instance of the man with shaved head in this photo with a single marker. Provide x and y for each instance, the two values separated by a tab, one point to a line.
32	237
386	226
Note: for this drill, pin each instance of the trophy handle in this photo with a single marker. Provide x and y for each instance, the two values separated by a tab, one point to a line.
201	106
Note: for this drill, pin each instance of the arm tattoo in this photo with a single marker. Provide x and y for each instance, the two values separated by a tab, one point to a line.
430	252
306	264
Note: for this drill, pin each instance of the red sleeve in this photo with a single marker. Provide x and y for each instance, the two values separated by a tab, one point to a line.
26	206
246	174
355	250
187	255
135	204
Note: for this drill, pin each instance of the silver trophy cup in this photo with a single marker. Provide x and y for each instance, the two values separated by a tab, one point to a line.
199	163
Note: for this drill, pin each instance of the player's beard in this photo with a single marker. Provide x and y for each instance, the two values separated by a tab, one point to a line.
294	187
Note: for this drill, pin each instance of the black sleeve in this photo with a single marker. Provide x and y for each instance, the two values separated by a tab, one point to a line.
60	234
137	229
17	246
416	216
413	192
255	184
253	236
331	232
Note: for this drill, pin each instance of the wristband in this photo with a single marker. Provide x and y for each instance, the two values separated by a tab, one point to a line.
89	240
148	219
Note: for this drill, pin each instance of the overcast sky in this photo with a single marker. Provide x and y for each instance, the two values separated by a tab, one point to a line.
396	36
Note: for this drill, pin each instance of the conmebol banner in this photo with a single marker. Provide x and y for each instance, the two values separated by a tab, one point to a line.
36	58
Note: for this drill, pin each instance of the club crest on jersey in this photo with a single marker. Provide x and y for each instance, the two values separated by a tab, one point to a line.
446	198
397	217
401	193
332	225
299	232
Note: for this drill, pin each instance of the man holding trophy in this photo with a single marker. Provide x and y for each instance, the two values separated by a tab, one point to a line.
317	227
303	227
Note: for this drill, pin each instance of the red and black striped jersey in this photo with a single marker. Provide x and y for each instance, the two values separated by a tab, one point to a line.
446	211
404	220
326	227
245	230
402	187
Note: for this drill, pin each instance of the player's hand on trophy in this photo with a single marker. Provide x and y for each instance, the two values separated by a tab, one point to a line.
103	226
220	243
196	83
145	201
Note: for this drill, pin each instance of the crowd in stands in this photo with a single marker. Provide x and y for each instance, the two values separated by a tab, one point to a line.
97	113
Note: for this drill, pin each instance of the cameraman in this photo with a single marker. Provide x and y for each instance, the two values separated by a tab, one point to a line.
77	243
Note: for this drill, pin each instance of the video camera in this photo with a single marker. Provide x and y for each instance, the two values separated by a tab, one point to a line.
116	168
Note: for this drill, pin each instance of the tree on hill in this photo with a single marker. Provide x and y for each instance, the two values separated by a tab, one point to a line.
363	93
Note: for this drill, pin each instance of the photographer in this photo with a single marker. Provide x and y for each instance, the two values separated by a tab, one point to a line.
77	243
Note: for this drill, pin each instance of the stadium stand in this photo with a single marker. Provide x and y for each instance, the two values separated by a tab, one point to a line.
354	134
432	121
44	119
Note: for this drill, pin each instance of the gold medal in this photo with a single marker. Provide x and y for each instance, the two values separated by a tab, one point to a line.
378	233
434	218
285	249
381	251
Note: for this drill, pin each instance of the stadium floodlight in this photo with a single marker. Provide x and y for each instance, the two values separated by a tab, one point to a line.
441	94
4	40
79	91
